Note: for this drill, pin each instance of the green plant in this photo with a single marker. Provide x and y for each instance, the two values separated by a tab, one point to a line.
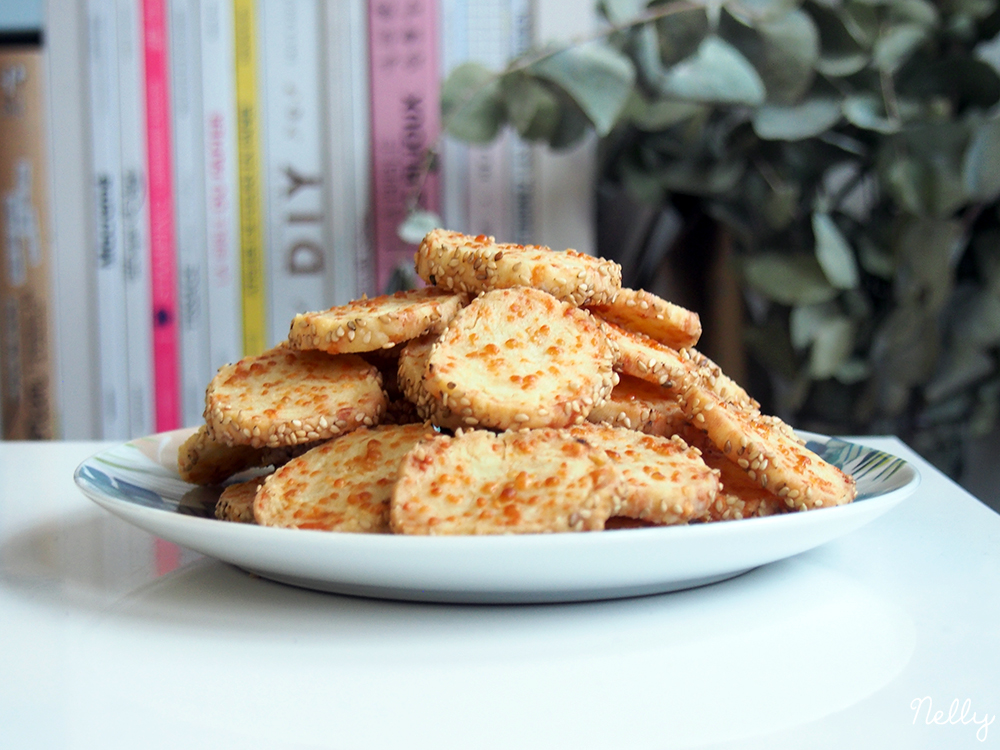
851	148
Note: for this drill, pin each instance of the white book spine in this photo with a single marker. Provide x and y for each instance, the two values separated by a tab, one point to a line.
189	192
522	154
490	189
135	220
352	271
218	96
454	153
107	242
294	142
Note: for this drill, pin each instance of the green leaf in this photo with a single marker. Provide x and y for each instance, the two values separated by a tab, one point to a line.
783	50
977	319
416	225
963	367
781	205
752	12
831	348
924	249
679	35
981	168
619	12
716	74
693	178
532	109
788	279
840	53
916	11
795	122
805	321
834	253
896	45
867	112
471	104
658	114
598	78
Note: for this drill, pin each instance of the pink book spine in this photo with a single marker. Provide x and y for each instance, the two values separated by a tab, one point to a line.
162	242
405	121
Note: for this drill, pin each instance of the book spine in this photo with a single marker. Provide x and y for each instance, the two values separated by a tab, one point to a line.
189	182
105	131
162	240
454	166
221	182
405	121
252	265
348	129
522	154
295	181
489	174
135	221
26	303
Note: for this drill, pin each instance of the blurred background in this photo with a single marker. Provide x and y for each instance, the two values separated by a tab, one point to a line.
818	180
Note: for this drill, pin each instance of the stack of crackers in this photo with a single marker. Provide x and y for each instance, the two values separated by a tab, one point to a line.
523	390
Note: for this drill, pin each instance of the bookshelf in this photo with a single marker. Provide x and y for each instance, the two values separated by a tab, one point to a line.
311	193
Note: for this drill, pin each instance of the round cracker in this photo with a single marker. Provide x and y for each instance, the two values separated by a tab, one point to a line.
203	460
529	481
236	501
412	366
767	450
643	312
365	325
520	358
639	405
467	263
342	485
666	481
289	397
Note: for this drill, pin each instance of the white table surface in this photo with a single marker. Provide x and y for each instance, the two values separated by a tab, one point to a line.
110	638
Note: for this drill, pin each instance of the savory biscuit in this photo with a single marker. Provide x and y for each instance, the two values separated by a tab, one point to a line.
767	450
644	312
410	375
466	263
517	358
204	460
365	325
342	485
639	405
289	397
665	480
236	501
529	481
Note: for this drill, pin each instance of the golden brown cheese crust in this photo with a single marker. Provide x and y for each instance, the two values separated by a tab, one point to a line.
636	404
342	485
479	482
474	264
643	312
665	480
767	451
366	325
289	397
236	501
517	358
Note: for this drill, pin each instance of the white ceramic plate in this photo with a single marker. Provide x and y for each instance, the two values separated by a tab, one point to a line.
138	481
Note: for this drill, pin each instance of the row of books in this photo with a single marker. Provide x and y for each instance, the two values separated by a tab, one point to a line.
244	160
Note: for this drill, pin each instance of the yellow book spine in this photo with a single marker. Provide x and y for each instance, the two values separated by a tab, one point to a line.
251	188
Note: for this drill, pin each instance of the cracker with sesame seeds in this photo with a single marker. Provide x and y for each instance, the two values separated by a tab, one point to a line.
236	501
466	263
639	405
204	460
643	312
666	481
520	358
289	397
528	481
739	495
767	450
649	360
410	375
342	485
369	324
